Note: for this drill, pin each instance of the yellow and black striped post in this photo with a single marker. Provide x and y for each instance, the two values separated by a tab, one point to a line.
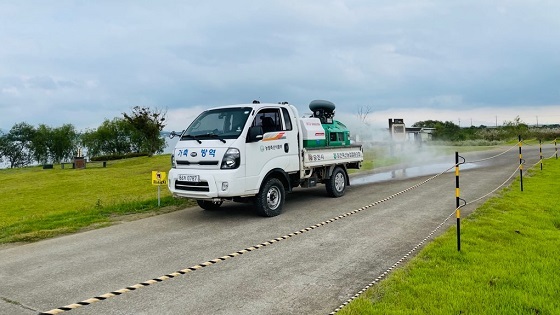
520	164
457	200
540	152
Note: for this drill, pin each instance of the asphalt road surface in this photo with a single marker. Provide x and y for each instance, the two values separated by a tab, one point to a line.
312	272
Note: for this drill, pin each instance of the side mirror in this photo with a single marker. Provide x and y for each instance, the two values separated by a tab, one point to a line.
255	134
174	134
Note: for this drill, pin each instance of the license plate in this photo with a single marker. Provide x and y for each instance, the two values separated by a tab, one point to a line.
189	178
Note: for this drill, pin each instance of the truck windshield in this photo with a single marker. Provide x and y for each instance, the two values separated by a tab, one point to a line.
222	123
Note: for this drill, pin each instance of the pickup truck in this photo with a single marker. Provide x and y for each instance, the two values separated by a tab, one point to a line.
259	152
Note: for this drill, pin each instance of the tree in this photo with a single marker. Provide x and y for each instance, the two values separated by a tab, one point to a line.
427	123
449	131
3	142
54	144
42	143
112	137
444	130
148	123
16	145
363	112
64	141
515	128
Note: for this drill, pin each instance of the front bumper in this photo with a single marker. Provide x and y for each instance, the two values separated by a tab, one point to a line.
211	183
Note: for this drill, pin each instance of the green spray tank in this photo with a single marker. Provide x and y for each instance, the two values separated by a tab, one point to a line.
321	129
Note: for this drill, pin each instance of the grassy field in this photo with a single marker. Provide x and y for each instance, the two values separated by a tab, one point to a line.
509	261
37	203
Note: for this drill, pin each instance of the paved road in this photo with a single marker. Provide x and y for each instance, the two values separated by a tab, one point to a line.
309	273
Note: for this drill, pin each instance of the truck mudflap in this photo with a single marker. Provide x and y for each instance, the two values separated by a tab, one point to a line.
316	157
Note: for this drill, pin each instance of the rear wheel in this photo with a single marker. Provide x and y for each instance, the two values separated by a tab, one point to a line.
270	199
336	184
209	205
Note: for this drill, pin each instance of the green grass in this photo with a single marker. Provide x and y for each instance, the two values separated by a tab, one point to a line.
378	158
37	203
509	261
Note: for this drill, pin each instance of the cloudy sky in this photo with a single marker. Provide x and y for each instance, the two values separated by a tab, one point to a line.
476	61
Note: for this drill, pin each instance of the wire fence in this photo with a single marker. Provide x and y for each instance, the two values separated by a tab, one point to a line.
457	209
492	157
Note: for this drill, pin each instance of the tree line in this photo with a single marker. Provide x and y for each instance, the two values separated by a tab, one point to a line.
449	131
135	132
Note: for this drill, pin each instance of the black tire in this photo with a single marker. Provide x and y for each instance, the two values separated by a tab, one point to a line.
336	184
209	205
270	199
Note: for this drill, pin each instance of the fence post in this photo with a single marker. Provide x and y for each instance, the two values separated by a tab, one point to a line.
555	149
540	151
520	164
457	199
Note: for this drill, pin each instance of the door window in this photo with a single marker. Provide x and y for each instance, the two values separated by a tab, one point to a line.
269	119
287	119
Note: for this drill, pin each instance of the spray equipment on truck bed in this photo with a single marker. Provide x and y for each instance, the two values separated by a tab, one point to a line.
321	130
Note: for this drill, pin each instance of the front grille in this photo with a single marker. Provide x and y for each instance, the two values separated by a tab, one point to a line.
192	186
199	163
208	163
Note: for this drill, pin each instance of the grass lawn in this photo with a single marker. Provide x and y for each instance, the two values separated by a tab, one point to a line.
37	203
509	261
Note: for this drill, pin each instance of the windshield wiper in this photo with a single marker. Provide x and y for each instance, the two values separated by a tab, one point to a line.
187	136
213	135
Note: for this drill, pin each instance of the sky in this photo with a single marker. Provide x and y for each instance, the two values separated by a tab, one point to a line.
473	62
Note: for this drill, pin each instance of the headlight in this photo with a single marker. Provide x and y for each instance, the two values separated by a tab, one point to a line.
231	159
173	160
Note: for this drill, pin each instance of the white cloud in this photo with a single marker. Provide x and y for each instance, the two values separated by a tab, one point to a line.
92	60
180	118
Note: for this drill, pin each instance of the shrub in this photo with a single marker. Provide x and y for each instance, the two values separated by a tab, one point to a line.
113	157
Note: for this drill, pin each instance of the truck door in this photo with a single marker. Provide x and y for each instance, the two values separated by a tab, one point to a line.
277	149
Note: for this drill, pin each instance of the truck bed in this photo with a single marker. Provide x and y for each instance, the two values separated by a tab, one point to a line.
322	156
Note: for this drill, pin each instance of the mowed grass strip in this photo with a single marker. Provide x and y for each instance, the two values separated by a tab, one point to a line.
509	261
37	203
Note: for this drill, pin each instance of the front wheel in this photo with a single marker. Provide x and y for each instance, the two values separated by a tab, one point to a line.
209	205
336	184
270	199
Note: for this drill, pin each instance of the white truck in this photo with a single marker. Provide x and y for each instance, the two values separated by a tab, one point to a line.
259	152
